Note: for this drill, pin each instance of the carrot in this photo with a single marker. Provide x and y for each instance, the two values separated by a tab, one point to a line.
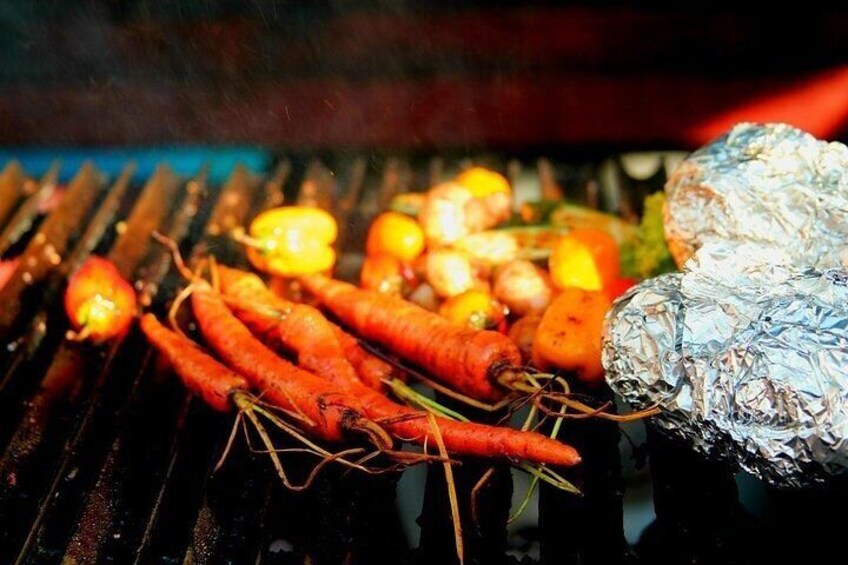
466	438
200	373
473	362
326	412
310	336
244	289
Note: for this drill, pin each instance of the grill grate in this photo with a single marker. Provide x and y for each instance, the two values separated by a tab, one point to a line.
104	458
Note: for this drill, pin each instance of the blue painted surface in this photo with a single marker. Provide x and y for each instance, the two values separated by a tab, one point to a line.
184	160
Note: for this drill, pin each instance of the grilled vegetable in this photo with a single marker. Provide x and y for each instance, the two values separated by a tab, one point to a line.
573	217
473	362
397	235
489	248
523	287
200	372
585	258
647	255
523	333
449	272
325	411
476	309
291	241
382	273
569	334
99	302
252	301
311	337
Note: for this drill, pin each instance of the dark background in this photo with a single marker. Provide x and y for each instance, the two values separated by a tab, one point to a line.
503	75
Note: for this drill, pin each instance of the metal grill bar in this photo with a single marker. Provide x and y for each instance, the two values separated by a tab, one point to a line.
27	214
11	189
45	249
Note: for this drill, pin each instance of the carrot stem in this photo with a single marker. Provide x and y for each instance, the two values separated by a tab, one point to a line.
413	397
454	502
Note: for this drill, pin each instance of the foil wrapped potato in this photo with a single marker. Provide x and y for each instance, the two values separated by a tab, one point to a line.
745	352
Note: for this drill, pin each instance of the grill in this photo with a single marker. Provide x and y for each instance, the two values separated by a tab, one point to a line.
105	458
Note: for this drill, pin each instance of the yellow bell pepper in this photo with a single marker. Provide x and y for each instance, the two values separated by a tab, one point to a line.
482	182
292	241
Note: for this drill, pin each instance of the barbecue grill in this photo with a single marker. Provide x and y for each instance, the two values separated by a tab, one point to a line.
106	458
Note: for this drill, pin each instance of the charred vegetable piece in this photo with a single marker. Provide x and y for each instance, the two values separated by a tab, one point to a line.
100	304
569	334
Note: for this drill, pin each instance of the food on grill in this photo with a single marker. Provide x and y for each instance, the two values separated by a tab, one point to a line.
770	184
619	286
320	408
569	334
585	258
201	373
304	331
454	210
100	304
489	248
469	252
745	352
523	287
449	272
384	273
647	255
396	235
291	241
305	328
572	217
471	361
476	309
424	296
523	334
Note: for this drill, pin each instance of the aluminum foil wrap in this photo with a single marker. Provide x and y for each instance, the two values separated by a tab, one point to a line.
746	355
772	184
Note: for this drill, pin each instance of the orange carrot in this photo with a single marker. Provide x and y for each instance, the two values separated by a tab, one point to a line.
310	335
200	373
243	290
326	412
471	361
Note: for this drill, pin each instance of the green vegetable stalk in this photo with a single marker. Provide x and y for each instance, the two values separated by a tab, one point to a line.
648	256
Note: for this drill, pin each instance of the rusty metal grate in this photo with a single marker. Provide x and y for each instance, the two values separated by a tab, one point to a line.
104	458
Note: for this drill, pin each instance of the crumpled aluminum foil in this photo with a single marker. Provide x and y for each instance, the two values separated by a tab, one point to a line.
773	184
746	354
